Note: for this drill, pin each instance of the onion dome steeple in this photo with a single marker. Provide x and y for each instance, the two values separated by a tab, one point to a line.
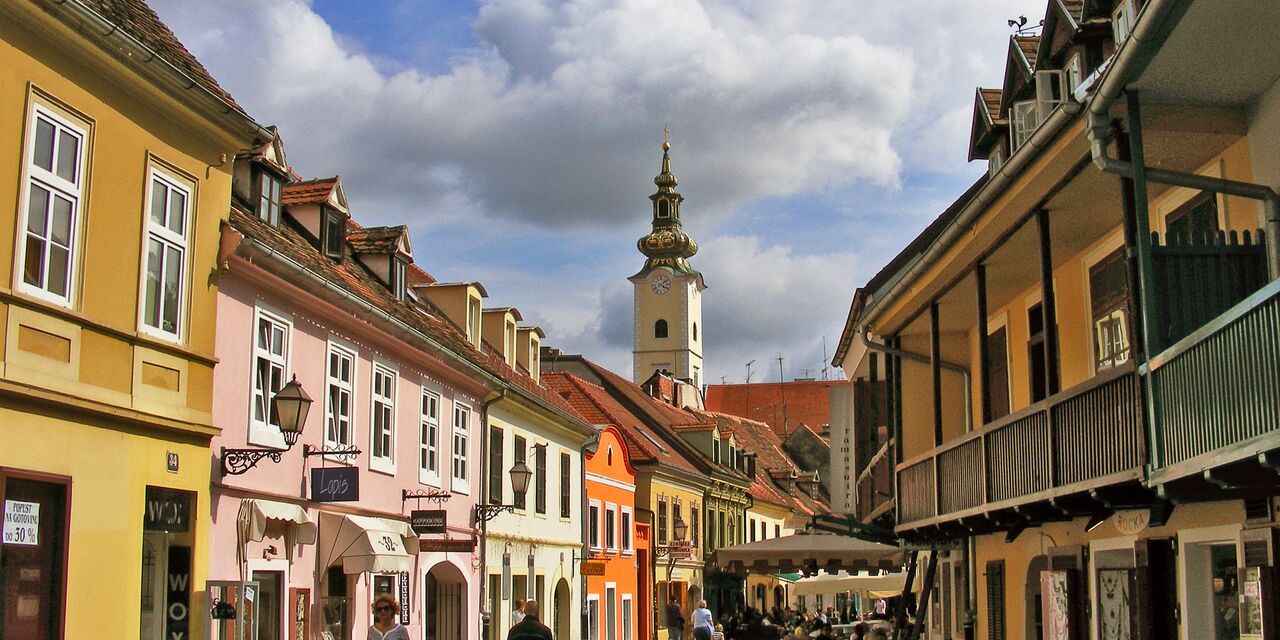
667	245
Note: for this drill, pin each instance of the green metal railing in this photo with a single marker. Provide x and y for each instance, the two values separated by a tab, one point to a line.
1198	277
1220	385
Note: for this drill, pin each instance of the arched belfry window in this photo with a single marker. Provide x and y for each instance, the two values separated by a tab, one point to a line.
695	331
660	329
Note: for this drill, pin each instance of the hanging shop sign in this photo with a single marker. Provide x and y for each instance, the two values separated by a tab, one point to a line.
432	521
1131	522
590	568
336	484
465	545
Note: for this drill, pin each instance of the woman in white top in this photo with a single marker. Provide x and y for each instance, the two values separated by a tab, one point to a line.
385	626
702	624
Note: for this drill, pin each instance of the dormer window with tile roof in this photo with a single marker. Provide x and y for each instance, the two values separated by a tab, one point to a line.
269	197
385	252
332	234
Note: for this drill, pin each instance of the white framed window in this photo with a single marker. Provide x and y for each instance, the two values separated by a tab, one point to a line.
270	361
995	160
461	438
611	527
54	190
625	530
473	321
429	447
340	374
165	262
269	198
611	611
593	616
627	614
1074	72
1122	21
382	431
593	524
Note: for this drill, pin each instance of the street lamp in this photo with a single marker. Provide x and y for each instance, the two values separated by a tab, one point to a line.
680	529
520	474
290	406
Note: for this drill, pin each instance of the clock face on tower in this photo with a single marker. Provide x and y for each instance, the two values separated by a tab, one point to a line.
660	283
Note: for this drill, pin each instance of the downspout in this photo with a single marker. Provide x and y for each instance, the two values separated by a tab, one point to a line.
917	357
583	509
1157	19
485	614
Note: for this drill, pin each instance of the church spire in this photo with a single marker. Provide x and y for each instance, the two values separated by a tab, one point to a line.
667	245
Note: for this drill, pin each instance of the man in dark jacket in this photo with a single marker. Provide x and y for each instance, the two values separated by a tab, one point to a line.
675	620
531	628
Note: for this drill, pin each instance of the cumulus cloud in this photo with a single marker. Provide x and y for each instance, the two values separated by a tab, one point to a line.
549	126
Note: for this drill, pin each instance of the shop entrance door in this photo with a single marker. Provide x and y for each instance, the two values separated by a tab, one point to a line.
154	561
32	558
269	603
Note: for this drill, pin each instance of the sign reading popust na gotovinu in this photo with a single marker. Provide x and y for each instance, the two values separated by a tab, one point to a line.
338	484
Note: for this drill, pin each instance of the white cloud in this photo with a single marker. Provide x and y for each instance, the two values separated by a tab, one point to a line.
553	121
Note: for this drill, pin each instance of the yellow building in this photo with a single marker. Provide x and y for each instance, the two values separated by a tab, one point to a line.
1075	360
117	145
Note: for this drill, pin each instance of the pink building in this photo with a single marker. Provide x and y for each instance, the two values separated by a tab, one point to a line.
306	293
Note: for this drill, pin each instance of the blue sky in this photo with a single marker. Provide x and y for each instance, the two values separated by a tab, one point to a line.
518	139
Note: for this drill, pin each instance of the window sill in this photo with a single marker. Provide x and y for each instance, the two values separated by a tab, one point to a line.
377	465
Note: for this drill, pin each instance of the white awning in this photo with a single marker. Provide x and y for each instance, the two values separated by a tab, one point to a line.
831	553
841	582
368	544
260	511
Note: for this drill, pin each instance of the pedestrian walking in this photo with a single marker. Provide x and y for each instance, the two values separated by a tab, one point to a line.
703	626
530	627
675	620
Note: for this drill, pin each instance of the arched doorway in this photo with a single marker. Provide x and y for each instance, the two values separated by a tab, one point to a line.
444	604
563	609
779	597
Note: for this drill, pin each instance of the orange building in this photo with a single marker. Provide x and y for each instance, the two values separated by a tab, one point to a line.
617	568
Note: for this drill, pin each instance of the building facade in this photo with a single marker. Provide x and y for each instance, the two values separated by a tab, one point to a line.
618	595
1066	435
117	142
397	406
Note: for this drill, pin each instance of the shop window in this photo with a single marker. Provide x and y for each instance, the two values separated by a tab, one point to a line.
32	572
335	607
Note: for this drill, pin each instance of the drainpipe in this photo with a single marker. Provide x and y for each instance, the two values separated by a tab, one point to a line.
918	357
1158	18
584	510
485	614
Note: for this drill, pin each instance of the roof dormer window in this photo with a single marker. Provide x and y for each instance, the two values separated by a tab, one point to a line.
473	321
398	269
332	233
995	160
269	200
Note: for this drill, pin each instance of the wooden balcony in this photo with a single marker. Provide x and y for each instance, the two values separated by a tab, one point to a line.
1077	441
1216	397
875	486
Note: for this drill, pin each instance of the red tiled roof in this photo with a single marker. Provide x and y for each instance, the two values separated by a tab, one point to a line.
1029	45
596	406
758	438
135	18
347	275
806	401
375	239
991	100
308	191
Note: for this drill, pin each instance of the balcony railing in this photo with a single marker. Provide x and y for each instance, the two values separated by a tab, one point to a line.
1217	391
1085	437
875	484
1199	277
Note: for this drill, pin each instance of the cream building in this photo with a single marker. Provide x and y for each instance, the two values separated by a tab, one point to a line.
668	293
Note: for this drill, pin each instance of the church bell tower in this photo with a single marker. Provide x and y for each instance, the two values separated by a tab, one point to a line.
668	291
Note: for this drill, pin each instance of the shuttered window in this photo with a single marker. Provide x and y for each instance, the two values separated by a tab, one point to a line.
995	600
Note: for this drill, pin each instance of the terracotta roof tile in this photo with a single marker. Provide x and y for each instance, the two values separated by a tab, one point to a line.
1029	45
597	406
991	100
375	239
135	18
308	191
348	275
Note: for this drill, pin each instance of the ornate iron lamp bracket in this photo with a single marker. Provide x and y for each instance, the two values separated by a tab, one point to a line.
238	461
346	453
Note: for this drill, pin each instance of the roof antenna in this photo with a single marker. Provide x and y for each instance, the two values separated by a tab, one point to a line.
749	371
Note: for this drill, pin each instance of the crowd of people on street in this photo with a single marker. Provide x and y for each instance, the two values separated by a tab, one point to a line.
786	623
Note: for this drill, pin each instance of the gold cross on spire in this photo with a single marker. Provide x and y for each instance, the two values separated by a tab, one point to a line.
666	141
